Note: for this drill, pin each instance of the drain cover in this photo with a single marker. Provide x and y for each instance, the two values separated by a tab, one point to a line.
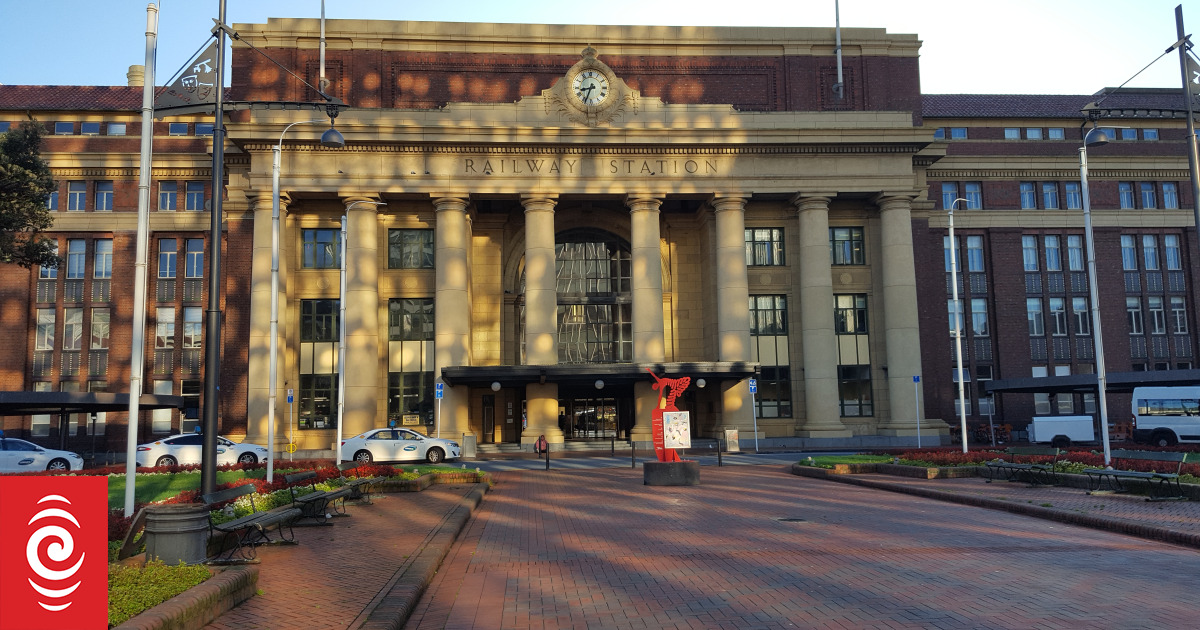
790	519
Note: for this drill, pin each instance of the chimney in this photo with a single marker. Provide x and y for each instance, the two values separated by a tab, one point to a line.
136	77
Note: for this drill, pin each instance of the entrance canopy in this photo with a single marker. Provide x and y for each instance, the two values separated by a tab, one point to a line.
1086	383
29	403
610	373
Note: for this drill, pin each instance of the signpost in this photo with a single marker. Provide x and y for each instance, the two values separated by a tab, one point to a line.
437	393
291	436
917	402
754	410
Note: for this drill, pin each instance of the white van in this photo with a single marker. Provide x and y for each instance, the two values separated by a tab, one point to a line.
1164	416
1062	431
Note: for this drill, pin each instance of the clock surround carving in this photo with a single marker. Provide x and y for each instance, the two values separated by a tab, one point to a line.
590	93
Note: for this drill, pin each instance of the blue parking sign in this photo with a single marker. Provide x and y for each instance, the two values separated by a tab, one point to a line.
753	386
437	392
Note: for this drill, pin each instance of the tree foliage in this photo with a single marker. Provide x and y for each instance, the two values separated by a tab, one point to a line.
25	182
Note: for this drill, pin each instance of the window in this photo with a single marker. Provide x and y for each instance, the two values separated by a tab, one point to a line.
958	133
1058	317
1053	253
1074	252
44	336
166	258
204	129
939	133
194	264
319	320
764	246
72	329
975	253
1033	133
194	196
104	196
1178	315
1148	196
1129	134
1158	315
321	249
116	129
89	129
48	273
160	419
1149	134
168	193
850	314
1170	196
178	129
1150	252
1079	308
52	200
954	310
768	315
1128	253
979	317
1125	189
1074	197
1055	133
76	258
76	195
3	128
946	249
1133	313
1012	133
1050	196
410	319
102	262
1174	255
100	328
974	195
1028	196
410	249
1033	312
846	244
1041	402
854	389
949	194
193	328
64	128
1029	253
164	328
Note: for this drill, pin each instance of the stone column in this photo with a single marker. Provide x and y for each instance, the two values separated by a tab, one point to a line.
541	319
649	341
733	315
259	354
452	326
902	330
817	335
362	317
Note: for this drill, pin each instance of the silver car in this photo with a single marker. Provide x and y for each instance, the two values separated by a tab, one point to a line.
185	449
20	456
398	445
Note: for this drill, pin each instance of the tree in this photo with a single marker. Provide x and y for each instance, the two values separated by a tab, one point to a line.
25	182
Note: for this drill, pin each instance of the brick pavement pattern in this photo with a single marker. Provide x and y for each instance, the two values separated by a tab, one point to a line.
756	547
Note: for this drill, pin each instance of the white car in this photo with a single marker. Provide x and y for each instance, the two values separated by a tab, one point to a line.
185	449
398	445
21	456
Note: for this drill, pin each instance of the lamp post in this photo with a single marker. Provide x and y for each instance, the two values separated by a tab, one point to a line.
327	140
962	406
1095	137
342	321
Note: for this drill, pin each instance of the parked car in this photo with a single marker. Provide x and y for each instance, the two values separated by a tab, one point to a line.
398	445
17	455
185	448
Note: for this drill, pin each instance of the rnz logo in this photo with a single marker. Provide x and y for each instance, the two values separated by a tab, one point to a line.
53	552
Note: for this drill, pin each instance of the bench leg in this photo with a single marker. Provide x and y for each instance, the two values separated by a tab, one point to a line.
314	511
1165	490
241	546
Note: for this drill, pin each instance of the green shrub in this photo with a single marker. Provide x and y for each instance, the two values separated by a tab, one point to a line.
132	590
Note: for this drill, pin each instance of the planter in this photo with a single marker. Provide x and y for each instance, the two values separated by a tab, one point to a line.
201	604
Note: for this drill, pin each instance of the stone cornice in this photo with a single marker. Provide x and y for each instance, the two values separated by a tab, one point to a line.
607	149
1047	174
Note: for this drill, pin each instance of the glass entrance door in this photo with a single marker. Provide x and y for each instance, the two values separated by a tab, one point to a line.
590	418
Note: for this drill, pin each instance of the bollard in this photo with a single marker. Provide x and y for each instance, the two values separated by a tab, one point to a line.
632	453
719	464
547	455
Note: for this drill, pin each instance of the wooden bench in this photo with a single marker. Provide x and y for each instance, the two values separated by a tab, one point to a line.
1034	472
249	530
1164	486
359	486
315	505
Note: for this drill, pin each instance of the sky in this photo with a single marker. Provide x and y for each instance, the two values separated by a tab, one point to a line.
969	46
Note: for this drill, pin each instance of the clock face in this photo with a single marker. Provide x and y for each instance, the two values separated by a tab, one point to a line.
590	87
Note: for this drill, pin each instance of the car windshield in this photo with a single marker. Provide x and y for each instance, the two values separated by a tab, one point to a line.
11	444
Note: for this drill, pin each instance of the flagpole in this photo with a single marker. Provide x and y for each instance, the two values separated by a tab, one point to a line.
1188	88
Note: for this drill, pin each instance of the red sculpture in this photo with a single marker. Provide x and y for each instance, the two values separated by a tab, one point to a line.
676	387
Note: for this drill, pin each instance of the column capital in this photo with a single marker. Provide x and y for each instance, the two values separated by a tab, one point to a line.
361	201
812	200
643	202
447	203
728	201
261	200
534	202
889	200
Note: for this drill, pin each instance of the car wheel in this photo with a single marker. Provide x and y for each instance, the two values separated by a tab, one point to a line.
167	460
58	463
1060	441
1163	438
247	458
435	455
363	457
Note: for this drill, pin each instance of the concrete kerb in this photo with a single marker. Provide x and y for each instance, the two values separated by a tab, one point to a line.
201	604
1151	532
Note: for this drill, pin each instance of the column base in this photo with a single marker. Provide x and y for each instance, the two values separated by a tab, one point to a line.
824	433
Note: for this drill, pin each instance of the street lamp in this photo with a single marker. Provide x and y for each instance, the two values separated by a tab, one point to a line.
1095	137
962	406
333	142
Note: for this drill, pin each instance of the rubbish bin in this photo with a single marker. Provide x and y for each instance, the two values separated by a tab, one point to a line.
468	446
176	533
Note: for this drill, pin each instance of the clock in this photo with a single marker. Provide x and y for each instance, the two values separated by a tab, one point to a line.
590	87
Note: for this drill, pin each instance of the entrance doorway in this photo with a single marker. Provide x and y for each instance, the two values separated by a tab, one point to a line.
589	418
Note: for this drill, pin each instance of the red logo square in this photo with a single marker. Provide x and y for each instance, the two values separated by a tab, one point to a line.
54	552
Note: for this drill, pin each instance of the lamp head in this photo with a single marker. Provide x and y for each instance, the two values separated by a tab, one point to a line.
333	139
495	386
1096	137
